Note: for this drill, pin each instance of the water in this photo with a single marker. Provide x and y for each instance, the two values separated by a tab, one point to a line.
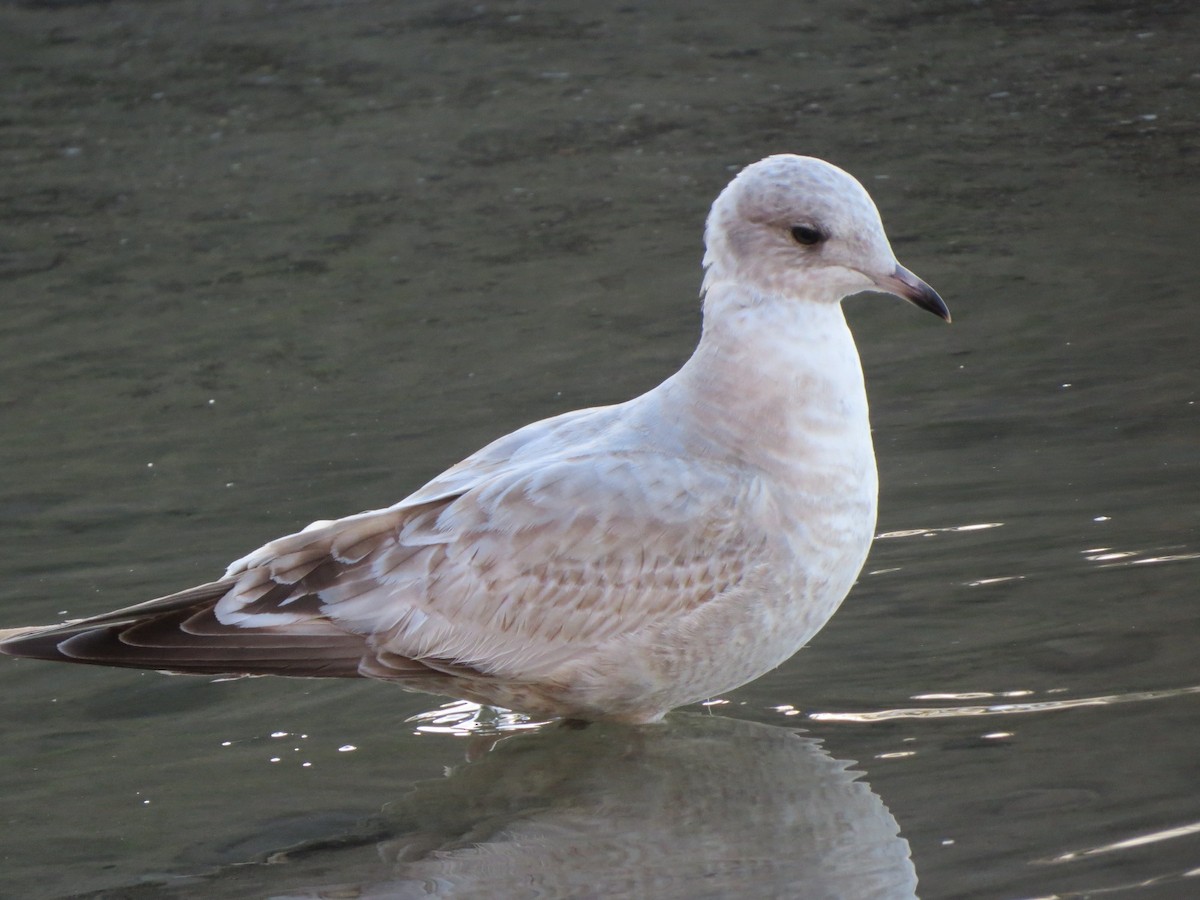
262	266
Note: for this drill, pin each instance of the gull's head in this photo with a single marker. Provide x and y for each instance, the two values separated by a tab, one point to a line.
795	226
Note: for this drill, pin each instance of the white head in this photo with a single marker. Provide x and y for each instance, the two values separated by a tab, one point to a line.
795	226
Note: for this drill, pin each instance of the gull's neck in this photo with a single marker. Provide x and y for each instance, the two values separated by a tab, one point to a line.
776	382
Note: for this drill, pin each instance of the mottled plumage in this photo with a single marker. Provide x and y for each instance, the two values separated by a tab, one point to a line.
609	563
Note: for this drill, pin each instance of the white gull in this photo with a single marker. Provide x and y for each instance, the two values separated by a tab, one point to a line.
608	563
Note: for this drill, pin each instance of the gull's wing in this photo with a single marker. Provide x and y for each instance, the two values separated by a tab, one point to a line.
509	565
520	574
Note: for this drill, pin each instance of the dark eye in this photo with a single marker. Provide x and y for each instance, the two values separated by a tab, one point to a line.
807	235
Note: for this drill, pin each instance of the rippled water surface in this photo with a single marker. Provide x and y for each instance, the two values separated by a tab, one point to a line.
266	264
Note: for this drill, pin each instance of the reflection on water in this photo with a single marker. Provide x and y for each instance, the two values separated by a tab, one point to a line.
464	718
1142	840
997	709
1177	882
701	806
929	532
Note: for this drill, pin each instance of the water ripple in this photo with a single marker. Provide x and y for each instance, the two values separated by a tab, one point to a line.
1141	840
996	709
463	718
929	532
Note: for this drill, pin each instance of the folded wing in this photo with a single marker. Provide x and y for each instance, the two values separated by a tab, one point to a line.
513	577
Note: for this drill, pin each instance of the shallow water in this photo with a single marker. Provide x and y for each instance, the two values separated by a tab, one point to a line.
267	265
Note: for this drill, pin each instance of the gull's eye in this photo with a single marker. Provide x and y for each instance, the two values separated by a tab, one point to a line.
807	235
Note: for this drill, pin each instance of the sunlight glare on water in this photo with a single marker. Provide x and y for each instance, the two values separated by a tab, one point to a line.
997	709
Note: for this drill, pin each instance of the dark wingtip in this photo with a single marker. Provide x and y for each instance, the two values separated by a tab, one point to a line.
34	643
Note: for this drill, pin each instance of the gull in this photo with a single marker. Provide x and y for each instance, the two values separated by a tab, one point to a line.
610	563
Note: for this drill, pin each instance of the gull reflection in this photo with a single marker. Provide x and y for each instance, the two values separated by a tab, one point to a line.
700	806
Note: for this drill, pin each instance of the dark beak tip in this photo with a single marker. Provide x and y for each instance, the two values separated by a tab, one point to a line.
918	293
926	298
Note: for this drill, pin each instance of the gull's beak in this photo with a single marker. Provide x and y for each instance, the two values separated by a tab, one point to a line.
904	283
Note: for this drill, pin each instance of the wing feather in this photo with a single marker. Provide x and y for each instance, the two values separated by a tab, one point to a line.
533	568
513	565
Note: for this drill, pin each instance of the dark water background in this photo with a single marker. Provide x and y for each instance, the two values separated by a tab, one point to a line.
264	263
